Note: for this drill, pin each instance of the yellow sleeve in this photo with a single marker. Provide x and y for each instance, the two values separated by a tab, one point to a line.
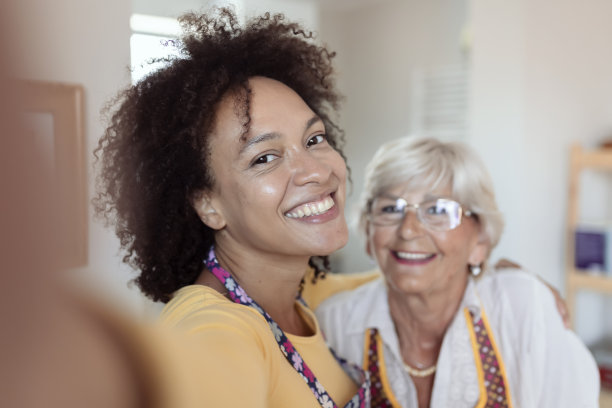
224	352
210	371
210	361
314	294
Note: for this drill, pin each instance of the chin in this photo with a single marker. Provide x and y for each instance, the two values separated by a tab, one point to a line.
332	245
405	284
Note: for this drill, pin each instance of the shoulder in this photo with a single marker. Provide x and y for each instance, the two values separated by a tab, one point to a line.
191	301
200	309
512	277
540	353
522	309
516	288
519	306
349	310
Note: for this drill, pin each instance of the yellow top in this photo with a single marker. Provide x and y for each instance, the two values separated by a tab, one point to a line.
241	364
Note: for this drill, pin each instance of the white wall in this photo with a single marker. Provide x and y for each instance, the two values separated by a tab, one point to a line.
542	80
378	47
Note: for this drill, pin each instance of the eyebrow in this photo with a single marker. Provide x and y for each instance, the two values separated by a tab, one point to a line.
259	139
275	135
312	121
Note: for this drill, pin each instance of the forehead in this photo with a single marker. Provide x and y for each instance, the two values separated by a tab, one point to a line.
272	107
417	189
271	100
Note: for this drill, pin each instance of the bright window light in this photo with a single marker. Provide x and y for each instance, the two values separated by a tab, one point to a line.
152	37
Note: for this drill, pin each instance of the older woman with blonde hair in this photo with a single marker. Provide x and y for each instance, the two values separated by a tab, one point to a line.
437	330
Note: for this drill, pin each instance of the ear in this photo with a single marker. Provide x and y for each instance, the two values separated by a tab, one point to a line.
480	251
208	211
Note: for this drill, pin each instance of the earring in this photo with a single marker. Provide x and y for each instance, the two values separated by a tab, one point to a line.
475	270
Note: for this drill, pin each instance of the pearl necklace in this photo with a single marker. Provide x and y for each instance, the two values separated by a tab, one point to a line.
426	372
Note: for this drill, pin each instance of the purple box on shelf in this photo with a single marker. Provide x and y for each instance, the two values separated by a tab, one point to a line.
590	250
609	251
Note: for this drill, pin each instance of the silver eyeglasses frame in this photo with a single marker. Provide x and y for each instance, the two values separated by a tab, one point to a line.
446	223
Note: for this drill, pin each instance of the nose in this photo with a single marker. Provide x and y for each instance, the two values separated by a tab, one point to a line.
410	224
310	168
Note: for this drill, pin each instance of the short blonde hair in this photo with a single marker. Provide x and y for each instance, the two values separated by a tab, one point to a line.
428	162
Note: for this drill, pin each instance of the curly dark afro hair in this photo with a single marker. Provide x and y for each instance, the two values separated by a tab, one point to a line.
153	156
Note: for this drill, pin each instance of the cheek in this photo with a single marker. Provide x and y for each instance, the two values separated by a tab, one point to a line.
259	192
339	167
270	189
377	241
456	247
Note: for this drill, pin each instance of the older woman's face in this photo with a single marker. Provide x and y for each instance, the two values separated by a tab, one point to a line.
281	189
418	260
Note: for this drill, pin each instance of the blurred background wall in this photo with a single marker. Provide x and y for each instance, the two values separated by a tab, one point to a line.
526	80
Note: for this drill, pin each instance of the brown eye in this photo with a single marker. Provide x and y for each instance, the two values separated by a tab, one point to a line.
263	159
316	140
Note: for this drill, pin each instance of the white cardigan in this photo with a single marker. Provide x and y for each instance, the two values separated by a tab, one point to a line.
546	364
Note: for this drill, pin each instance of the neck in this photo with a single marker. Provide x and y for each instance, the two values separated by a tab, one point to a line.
271	281
421	321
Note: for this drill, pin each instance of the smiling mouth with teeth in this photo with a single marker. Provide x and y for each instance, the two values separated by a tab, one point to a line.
311	209
414	256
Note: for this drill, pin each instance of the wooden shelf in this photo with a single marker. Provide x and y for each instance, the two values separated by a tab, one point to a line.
580	159
577	280
595	159
587	280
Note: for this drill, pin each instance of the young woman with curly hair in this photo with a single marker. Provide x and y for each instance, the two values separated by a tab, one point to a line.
223	175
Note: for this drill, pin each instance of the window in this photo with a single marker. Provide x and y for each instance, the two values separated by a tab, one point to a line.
440	102
152	37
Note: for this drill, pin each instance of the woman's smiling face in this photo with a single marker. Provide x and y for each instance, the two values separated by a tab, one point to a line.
418	260
280	188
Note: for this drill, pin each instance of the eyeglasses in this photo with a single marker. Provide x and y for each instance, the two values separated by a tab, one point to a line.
441	214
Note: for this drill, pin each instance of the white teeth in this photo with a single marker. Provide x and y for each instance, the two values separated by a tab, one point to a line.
310	209
412	255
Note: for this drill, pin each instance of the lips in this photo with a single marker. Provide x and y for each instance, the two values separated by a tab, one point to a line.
312	208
